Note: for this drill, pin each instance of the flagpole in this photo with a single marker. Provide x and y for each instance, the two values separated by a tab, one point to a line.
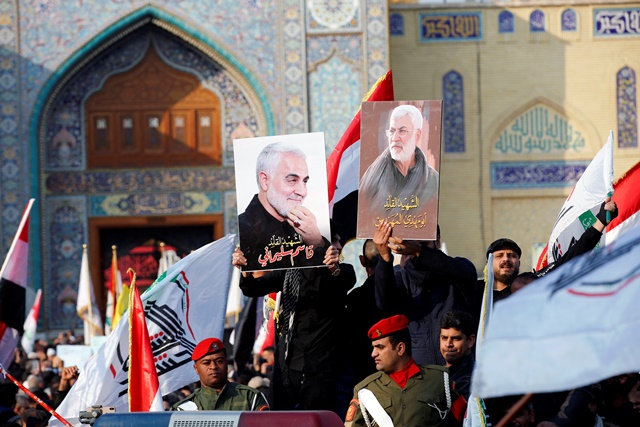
114	271
34	397
84	253
515	410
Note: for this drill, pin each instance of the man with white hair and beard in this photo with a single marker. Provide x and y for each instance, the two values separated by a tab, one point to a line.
401	171
276	231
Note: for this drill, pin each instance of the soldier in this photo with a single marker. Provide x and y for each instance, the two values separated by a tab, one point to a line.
216	392
402	393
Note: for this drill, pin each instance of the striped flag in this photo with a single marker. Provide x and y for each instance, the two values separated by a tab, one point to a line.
627	197
86	304
13	289
144	387
343	165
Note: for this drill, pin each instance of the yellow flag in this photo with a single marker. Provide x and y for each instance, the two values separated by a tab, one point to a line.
122	305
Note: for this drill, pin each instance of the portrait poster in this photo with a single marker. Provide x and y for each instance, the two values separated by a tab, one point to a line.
282	201
400	168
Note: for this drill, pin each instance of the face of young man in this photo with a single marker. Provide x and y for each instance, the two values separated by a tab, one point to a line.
287	187
212	370
454	345
402	148
506	265
386	358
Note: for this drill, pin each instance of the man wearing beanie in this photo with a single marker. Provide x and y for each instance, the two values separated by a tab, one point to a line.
402	393
216	392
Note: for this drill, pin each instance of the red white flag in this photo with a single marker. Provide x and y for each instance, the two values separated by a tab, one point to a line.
144	387
31	324
343	165
13	288
627	197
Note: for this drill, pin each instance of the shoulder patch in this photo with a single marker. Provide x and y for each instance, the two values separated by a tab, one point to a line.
351	412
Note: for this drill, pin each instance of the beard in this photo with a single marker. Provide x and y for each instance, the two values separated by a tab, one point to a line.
282	203
404	155
506	278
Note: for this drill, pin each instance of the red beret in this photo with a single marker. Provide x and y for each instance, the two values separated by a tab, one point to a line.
388	326
206	346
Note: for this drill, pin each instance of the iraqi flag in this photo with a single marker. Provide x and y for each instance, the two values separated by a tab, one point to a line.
627	196
343	165
144	387
579	210
183	306
13	289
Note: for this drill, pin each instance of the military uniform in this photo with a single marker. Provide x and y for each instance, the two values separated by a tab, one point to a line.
422	403
232	397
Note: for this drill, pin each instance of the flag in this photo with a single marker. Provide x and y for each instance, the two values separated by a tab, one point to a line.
115	288
184	306
122	305
343	165
144	387
568	329
476	411
627	197
579	210
235	301
86	304
31	324
13	289
168	257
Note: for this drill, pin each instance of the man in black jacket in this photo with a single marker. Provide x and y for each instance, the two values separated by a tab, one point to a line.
430	284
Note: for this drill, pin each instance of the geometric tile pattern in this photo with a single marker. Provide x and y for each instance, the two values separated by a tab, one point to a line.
627	108
453	120
506	22
569	20
536	21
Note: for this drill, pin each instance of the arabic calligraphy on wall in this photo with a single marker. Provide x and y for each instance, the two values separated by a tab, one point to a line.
450	26
540	130
616	22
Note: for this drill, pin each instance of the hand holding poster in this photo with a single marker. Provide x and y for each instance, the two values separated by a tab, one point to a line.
281	185
399	164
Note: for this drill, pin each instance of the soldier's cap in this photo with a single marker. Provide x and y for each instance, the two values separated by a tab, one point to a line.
504	244
205	347
388	326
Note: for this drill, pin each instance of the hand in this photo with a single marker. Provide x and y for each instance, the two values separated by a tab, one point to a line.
381	240
332	257
405	247
305	224
68	376
237	259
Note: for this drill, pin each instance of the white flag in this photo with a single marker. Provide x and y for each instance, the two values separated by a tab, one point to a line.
31	324
476	411
573	327
86	305
579	210
182	307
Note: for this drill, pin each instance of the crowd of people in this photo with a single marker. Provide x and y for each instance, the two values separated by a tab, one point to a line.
398	350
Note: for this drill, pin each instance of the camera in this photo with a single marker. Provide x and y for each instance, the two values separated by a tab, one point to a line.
93	412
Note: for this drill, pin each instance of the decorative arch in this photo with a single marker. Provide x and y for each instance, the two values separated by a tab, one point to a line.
537	22
506	23
148	15
627	113
453	120
569	20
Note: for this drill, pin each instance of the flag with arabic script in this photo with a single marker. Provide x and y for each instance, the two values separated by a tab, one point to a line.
182	307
